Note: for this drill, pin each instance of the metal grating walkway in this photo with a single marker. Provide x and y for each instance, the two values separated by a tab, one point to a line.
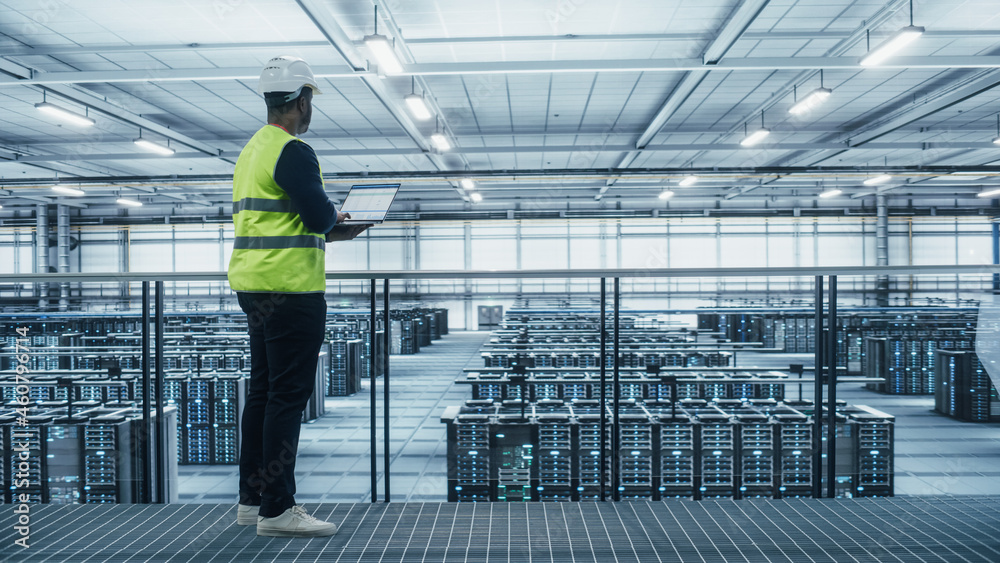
877	530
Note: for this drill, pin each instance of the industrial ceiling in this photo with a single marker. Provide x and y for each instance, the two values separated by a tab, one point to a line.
570	106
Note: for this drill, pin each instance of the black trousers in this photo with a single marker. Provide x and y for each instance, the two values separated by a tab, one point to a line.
286	333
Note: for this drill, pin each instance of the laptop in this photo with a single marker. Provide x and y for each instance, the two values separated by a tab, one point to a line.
368	204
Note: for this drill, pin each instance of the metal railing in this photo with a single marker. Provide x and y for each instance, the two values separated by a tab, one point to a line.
825	355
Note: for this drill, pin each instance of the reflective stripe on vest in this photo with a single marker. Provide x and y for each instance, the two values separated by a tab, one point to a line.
273	250
259	204
276	243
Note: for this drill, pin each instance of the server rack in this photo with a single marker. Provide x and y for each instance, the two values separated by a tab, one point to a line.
550	451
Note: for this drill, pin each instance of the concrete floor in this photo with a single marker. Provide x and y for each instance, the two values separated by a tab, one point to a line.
935	455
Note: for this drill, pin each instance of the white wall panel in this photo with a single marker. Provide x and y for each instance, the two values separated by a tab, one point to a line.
544	253
443	254
494	253
99	257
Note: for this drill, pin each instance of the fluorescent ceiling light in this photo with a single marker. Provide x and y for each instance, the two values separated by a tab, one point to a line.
418	107
996	141
989	193
666	194
877	180
468	183
65	114
381	48
154	147
811	101
755	137
68	190
892	45
689	181
476	197
440	142
129	202
831	193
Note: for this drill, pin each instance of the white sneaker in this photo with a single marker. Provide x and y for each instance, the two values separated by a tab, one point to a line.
246	515
294	523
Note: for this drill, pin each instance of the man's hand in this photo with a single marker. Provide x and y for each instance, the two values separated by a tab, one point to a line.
345	232
342	216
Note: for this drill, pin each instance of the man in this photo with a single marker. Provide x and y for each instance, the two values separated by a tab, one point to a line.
282	217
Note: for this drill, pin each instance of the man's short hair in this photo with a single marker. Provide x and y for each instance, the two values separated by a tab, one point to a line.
276	101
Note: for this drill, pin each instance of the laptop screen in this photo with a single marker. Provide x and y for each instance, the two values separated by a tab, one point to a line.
369	202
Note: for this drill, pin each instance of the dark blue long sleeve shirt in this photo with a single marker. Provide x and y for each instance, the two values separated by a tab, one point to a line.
297	172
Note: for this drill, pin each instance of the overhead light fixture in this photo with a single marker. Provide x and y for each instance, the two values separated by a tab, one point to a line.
476	197
440	142
874	181
811	101
895	43
830	193
64	114
66	190
996	140
418	107
989	193
129	202
755	137
666	194
468	183
384	54
150	146
689	181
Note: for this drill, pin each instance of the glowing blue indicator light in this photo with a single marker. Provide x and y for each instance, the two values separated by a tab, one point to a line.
501	435
676	452
717	452
757	452
595	452
555	452
636	452
473	452
874	452
797	452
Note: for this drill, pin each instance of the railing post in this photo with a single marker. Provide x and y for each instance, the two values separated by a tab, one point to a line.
385	385
817	454
371	382
615	438
146	491
831	387
604	384
161	427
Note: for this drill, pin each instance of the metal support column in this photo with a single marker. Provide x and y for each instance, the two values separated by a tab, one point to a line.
371	383
615	438
831	388
42	252
604	385
62	253
147	421
161	427
996	255
881	249
385	385
817	461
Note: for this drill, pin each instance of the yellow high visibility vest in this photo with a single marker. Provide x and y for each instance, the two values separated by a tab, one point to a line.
274	251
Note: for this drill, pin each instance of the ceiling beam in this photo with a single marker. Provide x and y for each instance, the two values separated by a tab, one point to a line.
13	50
331	29
753	64
740	18
99	103
522	149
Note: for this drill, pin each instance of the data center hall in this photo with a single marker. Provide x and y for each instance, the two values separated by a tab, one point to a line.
634	281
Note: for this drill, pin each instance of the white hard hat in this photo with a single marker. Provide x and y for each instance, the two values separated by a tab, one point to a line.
286	74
